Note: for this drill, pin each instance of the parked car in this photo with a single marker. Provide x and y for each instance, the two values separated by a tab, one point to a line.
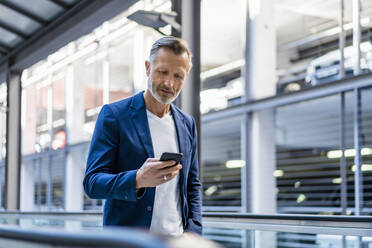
326	68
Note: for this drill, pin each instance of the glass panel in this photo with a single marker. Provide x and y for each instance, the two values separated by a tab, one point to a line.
35	129
222	48
229	238
256	239
104	66
46	9
88	72
121	69
42	128
221	163
307	155
53	222
29	119
57	164
58	111
308	52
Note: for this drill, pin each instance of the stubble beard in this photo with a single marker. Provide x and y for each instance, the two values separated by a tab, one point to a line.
157	97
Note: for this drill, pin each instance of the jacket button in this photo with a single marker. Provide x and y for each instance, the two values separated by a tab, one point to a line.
149	208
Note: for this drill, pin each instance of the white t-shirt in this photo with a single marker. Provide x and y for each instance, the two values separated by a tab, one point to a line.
166	216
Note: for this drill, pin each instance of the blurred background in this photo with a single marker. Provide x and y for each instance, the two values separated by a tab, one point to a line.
285	116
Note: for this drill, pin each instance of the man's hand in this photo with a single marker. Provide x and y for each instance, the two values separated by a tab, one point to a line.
152	172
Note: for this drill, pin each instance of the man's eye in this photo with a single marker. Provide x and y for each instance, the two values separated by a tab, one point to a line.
163	72
178	76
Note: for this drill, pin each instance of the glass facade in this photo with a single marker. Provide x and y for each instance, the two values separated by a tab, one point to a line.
222	53
309	153
62	96
366	148
308	175
266	152
221	163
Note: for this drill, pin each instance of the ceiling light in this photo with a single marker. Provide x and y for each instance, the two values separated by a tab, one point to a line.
278	173
365	167
337	180
348	153
231	164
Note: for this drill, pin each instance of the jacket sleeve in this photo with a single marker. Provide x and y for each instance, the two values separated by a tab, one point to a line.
194	221
101	179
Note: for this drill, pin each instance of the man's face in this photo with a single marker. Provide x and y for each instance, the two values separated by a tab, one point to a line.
167	73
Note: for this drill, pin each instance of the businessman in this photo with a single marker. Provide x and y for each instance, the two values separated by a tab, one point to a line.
130	135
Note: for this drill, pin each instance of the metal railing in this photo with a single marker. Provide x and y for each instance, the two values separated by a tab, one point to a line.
125	237
109	237
333	225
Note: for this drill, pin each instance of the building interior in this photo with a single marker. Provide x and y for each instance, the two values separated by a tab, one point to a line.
281	91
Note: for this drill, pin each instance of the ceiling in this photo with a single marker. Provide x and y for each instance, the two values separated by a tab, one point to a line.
31	30
20	19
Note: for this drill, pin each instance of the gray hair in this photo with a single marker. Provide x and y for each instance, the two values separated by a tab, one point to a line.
176	45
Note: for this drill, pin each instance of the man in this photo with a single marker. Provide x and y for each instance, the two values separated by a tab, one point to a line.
123	165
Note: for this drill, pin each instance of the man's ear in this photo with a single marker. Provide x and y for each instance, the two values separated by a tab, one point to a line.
147	65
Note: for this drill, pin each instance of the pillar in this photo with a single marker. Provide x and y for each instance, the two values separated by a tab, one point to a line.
13	149
75	165
190	96
258	129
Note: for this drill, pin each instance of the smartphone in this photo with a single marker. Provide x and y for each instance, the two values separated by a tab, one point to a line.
166	156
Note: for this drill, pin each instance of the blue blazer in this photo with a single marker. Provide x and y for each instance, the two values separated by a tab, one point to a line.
121	143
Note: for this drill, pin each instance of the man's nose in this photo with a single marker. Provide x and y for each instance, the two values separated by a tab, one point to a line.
169	82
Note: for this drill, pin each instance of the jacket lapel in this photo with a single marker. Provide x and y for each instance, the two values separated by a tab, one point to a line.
181	134
140	122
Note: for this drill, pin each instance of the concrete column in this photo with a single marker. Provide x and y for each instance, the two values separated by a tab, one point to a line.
260	80
259	129
13	148
74	171
260	49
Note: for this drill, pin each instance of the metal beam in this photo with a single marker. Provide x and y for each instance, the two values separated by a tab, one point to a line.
358	181
177	8
13	30
298	228
3	70
4	48
191	90
246	171
356	36
336	87
60	4
13	141
343	164
79	20
342	41
22	11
